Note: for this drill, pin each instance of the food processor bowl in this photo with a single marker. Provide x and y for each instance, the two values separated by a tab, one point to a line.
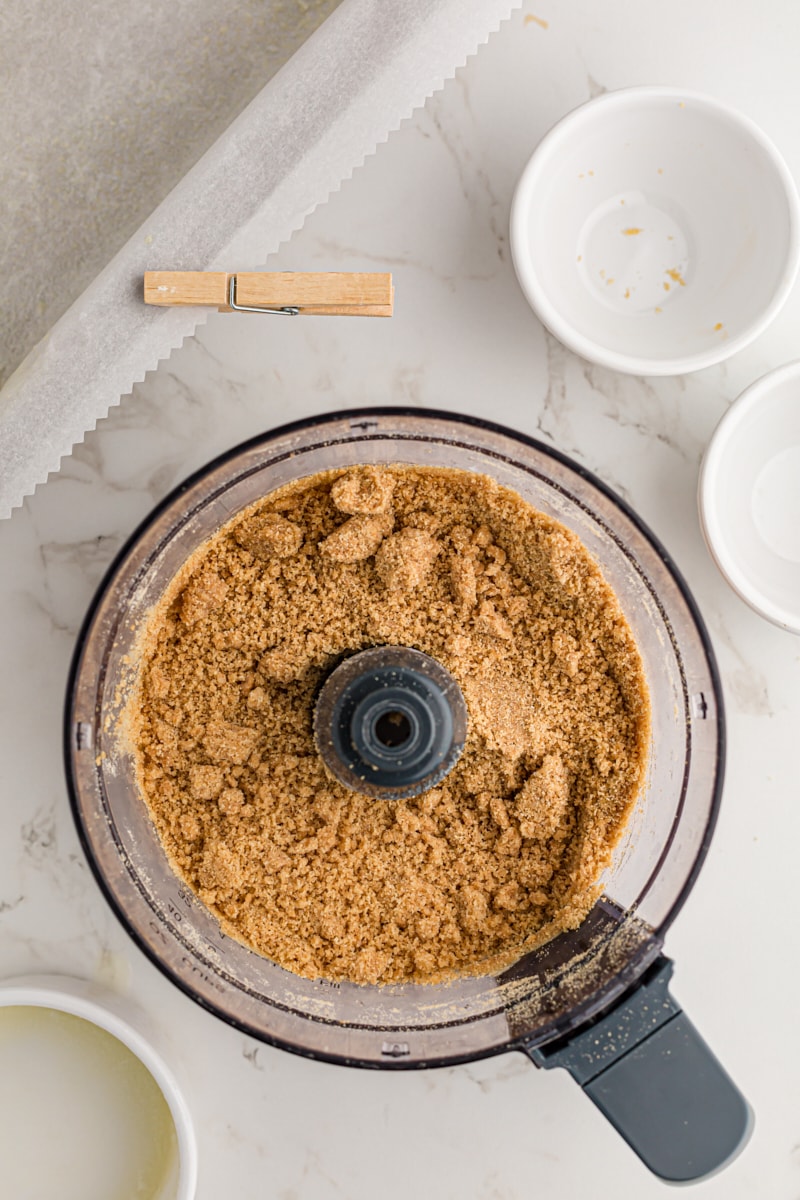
608	976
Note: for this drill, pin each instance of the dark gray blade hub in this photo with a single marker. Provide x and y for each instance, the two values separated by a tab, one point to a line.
390	722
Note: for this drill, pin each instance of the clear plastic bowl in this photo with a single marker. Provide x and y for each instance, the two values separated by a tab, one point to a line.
549	991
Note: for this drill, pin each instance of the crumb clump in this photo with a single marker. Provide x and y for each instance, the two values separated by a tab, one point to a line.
502	853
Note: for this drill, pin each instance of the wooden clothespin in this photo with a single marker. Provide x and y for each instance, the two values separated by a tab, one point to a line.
286	293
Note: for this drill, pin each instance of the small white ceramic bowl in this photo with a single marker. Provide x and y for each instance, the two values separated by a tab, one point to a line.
82	999
749	496
655	231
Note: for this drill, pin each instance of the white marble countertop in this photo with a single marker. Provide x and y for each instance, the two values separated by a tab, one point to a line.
432	206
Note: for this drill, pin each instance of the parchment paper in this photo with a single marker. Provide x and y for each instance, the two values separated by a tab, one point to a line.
363	71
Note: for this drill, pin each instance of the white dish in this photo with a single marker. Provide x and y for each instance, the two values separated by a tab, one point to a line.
79	1115
655	231
749	496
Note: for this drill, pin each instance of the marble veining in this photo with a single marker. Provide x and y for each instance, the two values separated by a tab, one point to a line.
432	206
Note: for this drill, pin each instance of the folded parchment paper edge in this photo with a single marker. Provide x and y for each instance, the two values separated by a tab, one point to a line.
364	71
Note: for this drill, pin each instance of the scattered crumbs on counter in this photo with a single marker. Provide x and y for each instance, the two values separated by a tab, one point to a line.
627	293
530	19
676	276
633	231
718	326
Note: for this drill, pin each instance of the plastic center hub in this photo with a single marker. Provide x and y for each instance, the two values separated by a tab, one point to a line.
390	722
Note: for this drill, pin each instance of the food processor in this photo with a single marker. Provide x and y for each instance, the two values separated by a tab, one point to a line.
594	1000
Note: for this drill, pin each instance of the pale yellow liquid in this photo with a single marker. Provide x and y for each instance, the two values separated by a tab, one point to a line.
81	1118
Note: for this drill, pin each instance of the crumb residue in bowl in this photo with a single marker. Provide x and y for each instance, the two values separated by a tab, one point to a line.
503	853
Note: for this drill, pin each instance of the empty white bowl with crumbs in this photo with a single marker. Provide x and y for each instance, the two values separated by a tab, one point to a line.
749	496
655	231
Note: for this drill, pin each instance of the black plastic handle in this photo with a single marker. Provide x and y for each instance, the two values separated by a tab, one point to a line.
650	1073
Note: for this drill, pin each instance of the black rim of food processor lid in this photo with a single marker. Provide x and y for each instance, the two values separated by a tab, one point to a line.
364	419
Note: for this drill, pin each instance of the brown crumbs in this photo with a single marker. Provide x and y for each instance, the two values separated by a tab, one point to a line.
508	848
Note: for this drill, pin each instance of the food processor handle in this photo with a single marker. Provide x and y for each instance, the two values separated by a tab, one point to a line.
651	1074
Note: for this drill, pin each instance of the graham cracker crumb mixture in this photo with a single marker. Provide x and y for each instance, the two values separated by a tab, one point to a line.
506	851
